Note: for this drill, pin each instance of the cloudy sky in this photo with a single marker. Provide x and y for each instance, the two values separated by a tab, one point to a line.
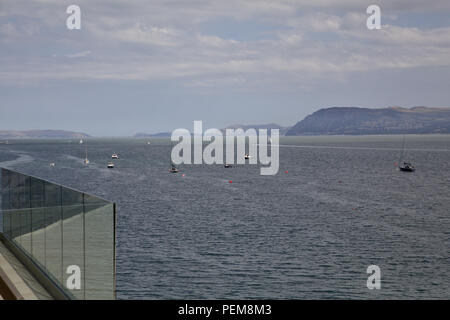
149	66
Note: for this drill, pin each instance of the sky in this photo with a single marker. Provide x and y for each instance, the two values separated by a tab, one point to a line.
152	66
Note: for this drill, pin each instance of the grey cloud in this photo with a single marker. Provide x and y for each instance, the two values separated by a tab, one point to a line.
81	54
163	39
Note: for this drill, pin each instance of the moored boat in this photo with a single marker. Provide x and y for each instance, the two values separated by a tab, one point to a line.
173	169
407	167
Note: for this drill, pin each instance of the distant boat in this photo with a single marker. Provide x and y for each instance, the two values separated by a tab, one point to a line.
247	156
52	164
226	165
86	160
148	142
115	156
173	168
81	141
406	167
110	165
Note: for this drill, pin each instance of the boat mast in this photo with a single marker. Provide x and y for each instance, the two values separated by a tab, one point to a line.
170	153
401	153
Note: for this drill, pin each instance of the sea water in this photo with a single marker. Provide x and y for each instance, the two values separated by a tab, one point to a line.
337	205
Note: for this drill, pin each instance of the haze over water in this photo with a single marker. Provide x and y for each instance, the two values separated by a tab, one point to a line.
305	234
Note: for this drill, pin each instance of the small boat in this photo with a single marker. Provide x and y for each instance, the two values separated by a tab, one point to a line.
81	141
148	142
173	169
52	164
247	156
110	165
407	167
115	156
226	165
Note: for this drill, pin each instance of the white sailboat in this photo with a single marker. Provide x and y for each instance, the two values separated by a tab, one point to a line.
173	167
81	141
86	160
406	166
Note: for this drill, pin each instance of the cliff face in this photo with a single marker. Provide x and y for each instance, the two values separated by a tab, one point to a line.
358	121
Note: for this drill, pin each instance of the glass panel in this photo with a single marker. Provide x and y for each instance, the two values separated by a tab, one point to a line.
38	220
25	213
15	205
60	228
73	237
16	226
7	224
5	204
53	230
100	269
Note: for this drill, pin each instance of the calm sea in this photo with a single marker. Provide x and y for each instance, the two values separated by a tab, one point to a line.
337	205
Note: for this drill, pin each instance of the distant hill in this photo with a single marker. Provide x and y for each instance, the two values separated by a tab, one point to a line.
268	126
283	130
358	121
41	134
154	135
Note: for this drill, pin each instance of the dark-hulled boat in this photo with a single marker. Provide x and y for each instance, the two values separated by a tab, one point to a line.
407	167
173	169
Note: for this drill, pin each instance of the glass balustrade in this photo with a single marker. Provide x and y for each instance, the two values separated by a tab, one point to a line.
69	234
